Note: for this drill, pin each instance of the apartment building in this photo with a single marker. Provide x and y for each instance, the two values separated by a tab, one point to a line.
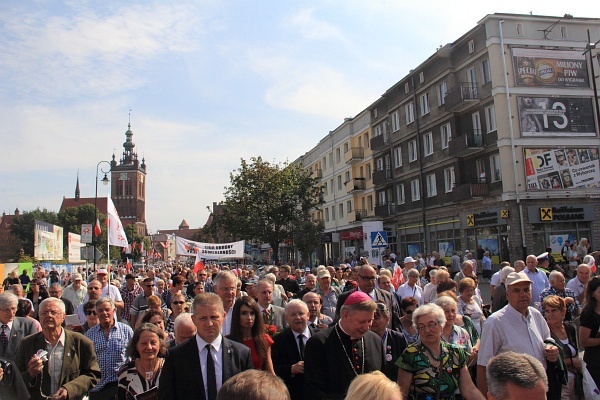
491	142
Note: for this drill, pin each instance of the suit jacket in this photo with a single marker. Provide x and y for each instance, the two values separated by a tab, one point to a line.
80	371
382	296
284	354
278	317
69	309
21	327
327	370
181	376
395	345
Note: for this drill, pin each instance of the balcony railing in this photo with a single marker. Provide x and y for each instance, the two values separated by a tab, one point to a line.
466	143
461	96
357	215
318	173
354	154
379	142
381	176
385	210
355	184
470	190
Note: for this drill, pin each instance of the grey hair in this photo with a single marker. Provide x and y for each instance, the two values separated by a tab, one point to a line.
183	318
465	264
224	275
445	301
521	370
430	308
8	299
553	275
296	302
105	299
57	285
270	276
265	280
505	271
49	300
413	273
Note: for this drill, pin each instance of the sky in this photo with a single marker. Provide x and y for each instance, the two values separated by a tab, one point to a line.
207	82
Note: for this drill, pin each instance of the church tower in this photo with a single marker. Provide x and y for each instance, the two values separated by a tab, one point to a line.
128	185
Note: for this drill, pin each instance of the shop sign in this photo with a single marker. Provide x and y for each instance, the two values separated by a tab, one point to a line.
561	213
483	218
351	235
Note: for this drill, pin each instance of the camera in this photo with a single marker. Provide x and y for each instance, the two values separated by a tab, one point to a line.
7	368
42	354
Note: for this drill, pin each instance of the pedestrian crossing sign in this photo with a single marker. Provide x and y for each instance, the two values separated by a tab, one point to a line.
379	239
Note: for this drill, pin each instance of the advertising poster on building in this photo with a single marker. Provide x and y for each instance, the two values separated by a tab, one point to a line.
556	116
549	169
557	243
553	68
413	249
48	241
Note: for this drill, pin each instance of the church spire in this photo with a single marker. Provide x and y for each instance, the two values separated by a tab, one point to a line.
77	192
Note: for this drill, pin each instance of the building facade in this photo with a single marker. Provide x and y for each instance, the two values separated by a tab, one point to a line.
492	142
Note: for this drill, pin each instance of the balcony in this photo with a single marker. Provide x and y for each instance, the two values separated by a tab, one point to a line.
354	154
318	173
357	215
470	190
379	142
466	143
385	210
381	176
355	184
461	97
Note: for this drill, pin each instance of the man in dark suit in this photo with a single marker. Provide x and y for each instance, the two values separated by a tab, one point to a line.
12	328
287	352
56	290
198	368
70	370
335	356
366	283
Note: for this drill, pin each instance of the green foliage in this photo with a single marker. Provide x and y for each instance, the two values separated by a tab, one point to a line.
307	236
134	237
268	201
23	226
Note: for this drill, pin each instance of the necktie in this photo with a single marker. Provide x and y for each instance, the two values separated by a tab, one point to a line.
211	376
4	337
301	345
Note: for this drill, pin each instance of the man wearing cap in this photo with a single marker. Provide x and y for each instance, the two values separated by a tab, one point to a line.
409	263
109	290
76	291
129	292
366	283
328	293
335	356
516	327
538	278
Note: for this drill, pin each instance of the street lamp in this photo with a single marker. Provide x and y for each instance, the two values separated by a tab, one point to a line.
105	182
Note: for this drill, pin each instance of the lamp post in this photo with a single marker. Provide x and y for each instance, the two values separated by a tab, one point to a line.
105	182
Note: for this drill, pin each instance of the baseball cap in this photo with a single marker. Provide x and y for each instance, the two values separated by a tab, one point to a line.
409	260
102	271
324	273
516	277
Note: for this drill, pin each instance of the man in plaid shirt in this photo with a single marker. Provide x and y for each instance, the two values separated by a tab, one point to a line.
129	292
558	288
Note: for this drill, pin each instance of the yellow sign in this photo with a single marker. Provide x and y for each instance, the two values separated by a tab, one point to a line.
470	220
546	214
504	214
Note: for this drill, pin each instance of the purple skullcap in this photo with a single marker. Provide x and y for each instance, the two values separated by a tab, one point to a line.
357	297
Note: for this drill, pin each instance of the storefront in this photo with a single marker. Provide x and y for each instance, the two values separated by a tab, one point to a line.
352	243
488	231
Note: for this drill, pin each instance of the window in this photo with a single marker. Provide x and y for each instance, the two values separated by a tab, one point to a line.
326	214
563	32
377	131
471	46
347	176
395	121
369	171
425	104
367	142
361	172
370	203
442	90
431	185
324	163
379	164
349	206
415	190
381	198
449	179
338	155
341	210
398	157
446	135
428	144
375	113
325	189
495	168
406	88
331	187
339	180
400	193
490	118
409	109
520	31
333	213
421	77
487	74
346	147
412	150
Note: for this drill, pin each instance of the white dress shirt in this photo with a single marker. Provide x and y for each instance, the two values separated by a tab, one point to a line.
217	355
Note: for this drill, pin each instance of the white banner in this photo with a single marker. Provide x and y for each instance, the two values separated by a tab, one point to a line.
116	233
209	251
74	247
86	233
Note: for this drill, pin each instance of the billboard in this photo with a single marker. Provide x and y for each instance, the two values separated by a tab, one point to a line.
550	68
74	246
556	116
549	169
47	241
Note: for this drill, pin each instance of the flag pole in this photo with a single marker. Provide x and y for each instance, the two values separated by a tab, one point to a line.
108	241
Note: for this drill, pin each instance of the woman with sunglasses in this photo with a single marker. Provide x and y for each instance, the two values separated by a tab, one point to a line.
177	307
393	342
408	306
91	319
431	367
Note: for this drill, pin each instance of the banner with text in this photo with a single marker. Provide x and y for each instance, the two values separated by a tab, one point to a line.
209	251
74	246
555	68
556	116
548	169
47	241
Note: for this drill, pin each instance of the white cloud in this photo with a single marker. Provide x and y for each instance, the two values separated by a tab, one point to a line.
312	28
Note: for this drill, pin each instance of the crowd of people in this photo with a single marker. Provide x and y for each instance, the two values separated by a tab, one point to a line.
354	331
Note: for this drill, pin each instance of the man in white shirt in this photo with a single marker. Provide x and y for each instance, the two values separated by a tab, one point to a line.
578	283
539	279
225	285
76	291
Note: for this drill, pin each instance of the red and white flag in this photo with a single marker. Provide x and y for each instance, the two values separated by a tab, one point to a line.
128	265
398	277
116	233
97	230
199	265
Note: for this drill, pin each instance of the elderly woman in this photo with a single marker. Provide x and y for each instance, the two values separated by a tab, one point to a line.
411	288
499	295
139	378
373	386
469	304
463	321
408	305
432	367
430	289
565	336
454	334
393	342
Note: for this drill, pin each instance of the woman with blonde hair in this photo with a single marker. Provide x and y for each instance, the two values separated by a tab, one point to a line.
373	386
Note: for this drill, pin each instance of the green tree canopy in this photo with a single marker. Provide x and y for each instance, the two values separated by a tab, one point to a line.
24	224
268	201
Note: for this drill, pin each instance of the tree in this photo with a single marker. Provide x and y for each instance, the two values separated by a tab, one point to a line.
23	226
307	236
136	239
268	201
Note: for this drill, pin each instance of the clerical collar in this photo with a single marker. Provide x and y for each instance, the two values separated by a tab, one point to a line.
343	331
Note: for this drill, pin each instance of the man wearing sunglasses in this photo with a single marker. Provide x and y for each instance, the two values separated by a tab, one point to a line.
94	292
140	303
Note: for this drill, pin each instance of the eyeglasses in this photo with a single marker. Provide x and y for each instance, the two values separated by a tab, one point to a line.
368	278
50	313
90	312
430	326
178	302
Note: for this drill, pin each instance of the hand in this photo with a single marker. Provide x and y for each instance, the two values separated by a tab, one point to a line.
1	373
569	300
322	326
551	353
34	366
298	368
61	394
